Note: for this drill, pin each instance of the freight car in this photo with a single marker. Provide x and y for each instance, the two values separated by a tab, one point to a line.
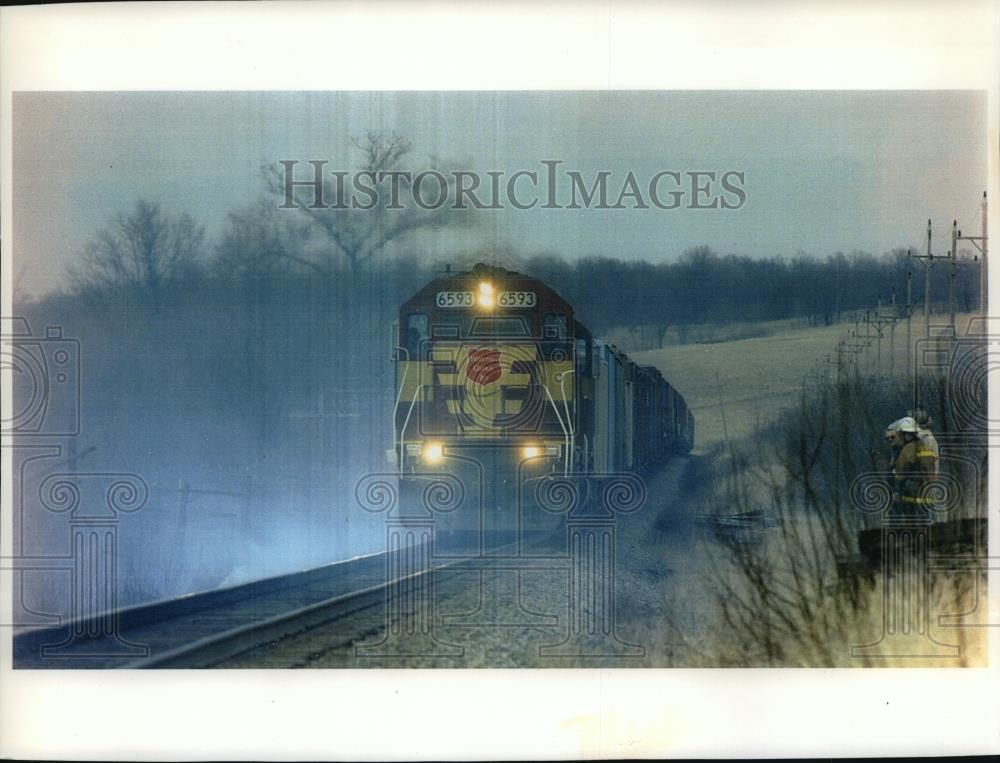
499	388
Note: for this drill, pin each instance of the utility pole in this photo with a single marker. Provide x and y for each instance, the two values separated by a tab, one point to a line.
880	322
892	337
951	275
868	344
863	340
928	263
980	242
983	296
856	335
855	348
927	285
878	354
909	316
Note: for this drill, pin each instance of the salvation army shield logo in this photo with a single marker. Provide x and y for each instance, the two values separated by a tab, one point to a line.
484	366
498	387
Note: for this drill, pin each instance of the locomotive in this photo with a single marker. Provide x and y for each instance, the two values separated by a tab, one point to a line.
501	392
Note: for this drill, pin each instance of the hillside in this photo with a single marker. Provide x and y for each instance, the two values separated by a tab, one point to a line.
750	380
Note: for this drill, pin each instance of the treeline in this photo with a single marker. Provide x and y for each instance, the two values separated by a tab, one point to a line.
369	259
698	287
702	287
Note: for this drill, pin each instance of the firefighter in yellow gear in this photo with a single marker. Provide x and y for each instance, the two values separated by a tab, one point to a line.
913	468
926	436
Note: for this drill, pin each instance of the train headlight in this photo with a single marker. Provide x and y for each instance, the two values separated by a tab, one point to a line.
531	451
432	452
486	296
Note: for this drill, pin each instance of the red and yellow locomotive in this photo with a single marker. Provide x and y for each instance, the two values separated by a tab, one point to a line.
499	386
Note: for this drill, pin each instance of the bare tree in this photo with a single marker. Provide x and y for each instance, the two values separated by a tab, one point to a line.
142	252
258	244
358	233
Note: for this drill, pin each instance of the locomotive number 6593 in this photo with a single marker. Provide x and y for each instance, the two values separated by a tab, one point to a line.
501	391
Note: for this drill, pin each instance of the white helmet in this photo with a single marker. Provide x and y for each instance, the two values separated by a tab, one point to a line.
905	424
920	416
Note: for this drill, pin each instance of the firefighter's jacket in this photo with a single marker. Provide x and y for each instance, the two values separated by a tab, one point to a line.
913	468
930	443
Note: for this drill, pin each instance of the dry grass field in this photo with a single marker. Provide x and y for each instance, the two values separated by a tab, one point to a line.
748	381
778	598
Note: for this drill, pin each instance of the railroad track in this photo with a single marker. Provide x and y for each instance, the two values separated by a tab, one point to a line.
209	628
200	629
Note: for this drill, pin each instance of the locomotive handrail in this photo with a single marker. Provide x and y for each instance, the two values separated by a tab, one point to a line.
402	432
395	408
569	420
562	391
565	431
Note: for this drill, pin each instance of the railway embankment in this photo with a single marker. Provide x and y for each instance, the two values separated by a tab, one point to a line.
790	554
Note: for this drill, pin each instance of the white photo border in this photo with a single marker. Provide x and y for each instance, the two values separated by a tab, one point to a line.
452	714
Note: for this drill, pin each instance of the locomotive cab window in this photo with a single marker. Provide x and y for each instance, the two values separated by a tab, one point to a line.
417	331
499	326
554	326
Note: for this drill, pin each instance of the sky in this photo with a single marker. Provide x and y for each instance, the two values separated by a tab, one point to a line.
823	171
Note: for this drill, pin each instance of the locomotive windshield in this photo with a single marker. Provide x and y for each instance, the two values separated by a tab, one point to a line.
499	326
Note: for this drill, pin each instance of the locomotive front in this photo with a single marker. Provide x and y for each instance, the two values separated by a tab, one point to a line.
485	404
